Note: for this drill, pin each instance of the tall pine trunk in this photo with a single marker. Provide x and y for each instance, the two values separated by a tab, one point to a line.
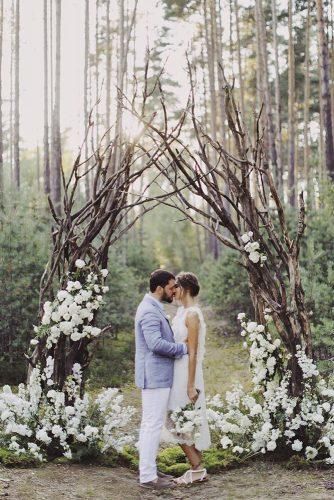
266	89
307	174
56	139
325	89
120	89
277	101
47	184
2	187
291	112
241	79
86	71
17	173
108	73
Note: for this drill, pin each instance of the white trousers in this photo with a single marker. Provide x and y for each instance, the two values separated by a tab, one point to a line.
154	409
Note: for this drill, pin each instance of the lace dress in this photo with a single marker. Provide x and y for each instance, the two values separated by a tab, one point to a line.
178	395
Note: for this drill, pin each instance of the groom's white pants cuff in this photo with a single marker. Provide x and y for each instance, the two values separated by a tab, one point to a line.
154	408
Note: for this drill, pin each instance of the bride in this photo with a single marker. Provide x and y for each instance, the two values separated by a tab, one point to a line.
188	382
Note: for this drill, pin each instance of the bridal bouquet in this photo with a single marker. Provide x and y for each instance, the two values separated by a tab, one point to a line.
186	421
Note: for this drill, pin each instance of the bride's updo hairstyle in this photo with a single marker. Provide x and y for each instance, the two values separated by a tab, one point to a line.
189	282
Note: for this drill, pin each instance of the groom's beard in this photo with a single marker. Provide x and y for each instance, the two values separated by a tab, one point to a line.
166	298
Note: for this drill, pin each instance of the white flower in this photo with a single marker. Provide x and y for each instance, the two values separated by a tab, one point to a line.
297	445
252	247
254	257
225	442
271	445
34	341
104	272
42	435
237	449
79	263
326	406
241	316
245	238
75	336
310	452
62	295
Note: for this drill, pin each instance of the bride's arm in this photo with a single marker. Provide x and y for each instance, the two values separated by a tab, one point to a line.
192	324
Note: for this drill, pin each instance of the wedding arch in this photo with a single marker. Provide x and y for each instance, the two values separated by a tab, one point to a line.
246	213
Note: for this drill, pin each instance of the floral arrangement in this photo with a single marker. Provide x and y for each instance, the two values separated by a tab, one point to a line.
186	421
253	249
73	308
268	417
40	419
42	424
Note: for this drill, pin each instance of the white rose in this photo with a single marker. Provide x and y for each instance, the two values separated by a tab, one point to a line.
254	257
237	449
326	406
245	238
310	452
271	445
297	445
79	263
225	442
75	336
62	294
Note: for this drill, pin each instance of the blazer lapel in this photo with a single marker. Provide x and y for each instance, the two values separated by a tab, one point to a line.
161	311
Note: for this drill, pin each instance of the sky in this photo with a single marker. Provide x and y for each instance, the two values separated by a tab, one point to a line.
150	16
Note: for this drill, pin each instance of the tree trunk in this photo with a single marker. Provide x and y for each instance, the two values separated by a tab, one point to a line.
86	110
56	139
47	185
17	176
241	79
266	88
97	91
11	104
38	169
1	125
291	112
325	90
307	174
277	102
120	89
108	72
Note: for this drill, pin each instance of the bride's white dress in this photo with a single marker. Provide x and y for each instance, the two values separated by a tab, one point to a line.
178	395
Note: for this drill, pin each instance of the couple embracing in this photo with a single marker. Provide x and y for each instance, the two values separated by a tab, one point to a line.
169	371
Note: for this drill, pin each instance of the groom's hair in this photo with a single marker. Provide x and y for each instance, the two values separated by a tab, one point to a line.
160	278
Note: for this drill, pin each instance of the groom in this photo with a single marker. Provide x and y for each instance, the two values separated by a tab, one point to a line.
155	354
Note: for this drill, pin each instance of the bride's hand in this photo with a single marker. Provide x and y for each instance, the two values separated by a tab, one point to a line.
192	394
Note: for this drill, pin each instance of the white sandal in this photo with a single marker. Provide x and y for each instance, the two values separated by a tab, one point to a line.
187	477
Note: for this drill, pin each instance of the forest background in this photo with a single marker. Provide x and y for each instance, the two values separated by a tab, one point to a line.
60	60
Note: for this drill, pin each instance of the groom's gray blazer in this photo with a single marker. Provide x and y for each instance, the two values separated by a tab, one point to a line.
155	346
